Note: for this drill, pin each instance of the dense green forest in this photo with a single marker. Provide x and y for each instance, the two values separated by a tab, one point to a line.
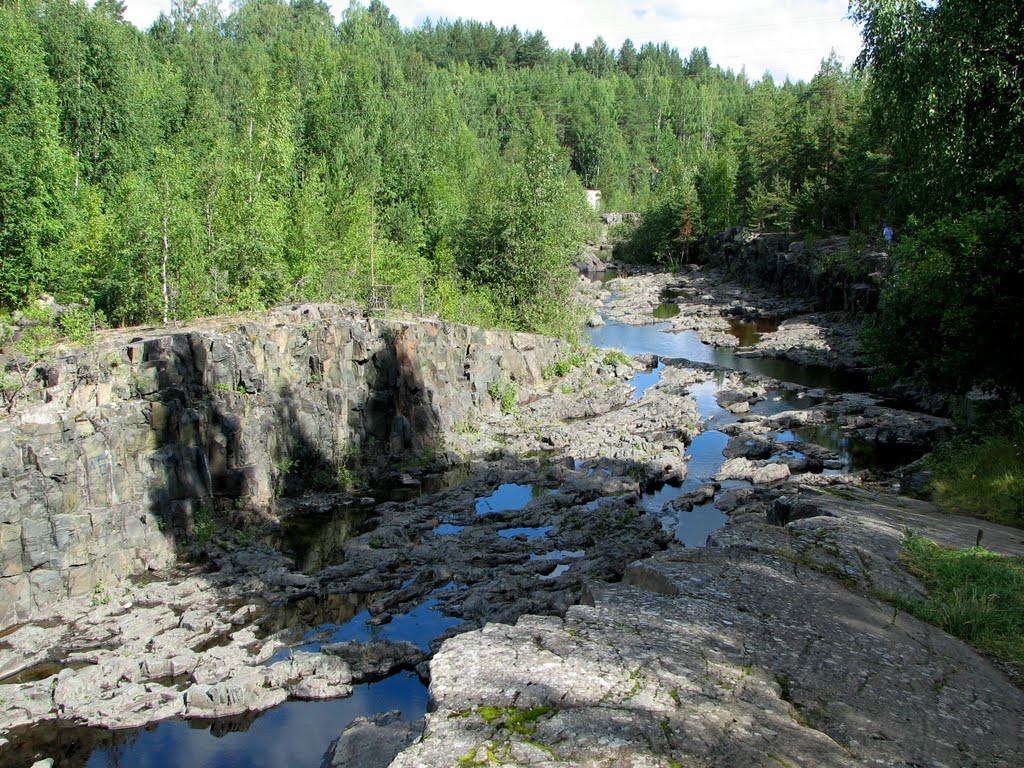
217	163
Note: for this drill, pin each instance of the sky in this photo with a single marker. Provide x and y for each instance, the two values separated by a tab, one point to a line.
784	37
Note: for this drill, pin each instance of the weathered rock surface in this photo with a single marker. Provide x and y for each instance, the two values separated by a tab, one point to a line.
372	742
178	648
722	657
827	272
114	458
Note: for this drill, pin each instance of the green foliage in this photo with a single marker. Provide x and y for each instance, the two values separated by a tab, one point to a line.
100	595
565	364
944	317
522	237
615	357
505	393
35	169
671	231
224	162
947	104
202	526
514	719
981	473
974	594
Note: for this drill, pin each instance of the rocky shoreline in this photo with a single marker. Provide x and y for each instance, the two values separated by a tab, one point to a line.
554	614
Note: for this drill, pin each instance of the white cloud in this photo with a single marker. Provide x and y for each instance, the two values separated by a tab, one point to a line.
785	37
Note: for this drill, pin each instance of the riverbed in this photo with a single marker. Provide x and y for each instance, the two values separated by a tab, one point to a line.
546	524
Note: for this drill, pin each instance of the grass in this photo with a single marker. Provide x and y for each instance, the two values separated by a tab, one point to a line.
615	357
973	594
563	365
981	473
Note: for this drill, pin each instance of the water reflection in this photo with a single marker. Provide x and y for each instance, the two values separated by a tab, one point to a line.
296	734
419	626
695	526
659	339
857	454
749	332
666	311
317	541
508	497
643	381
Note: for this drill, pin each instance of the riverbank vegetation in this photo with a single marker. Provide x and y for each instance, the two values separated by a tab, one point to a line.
947	103
981	472
973	594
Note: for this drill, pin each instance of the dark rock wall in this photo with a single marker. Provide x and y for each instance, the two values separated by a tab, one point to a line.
829	272
109	460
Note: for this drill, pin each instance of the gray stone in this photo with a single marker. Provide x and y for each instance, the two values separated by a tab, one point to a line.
372	742
726	657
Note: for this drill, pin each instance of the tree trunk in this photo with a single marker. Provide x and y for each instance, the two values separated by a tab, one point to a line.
163	273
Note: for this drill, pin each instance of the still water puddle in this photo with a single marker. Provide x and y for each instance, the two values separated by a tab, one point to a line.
659	339
509	497
559	554
749	332
856	454
295	734
695	526
666	311
643	381
528	533
316	541
419	626
447	529
558	571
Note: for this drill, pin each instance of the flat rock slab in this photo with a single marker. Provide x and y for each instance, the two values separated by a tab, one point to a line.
727	657
901	512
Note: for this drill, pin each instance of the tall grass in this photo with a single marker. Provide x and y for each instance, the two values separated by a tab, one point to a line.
973	594
982	472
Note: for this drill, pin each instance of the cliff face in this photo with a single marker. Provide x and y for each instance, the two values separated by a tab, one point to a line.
829	272
121	446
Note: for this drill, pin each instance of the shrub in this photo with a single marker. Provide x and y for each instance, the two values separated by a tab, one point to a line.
505	393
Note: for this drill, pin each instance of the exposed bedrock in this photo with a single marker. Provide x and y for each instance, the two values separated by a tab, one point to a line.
119	447
749	652
828	271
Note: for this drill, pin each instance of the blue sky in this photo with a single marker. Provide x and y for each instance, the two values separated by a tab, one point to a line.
784	37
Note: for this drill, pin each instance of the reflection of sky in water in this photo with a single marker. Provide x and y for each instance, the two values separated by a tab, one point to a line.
507	497
447	529
707	405
293	735
695	526
419	626
643	381
559	570
529	533
559	554
655	340
651	340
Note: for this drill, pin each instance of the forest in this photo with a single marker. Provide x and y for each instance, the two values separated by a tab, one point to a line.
225	162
